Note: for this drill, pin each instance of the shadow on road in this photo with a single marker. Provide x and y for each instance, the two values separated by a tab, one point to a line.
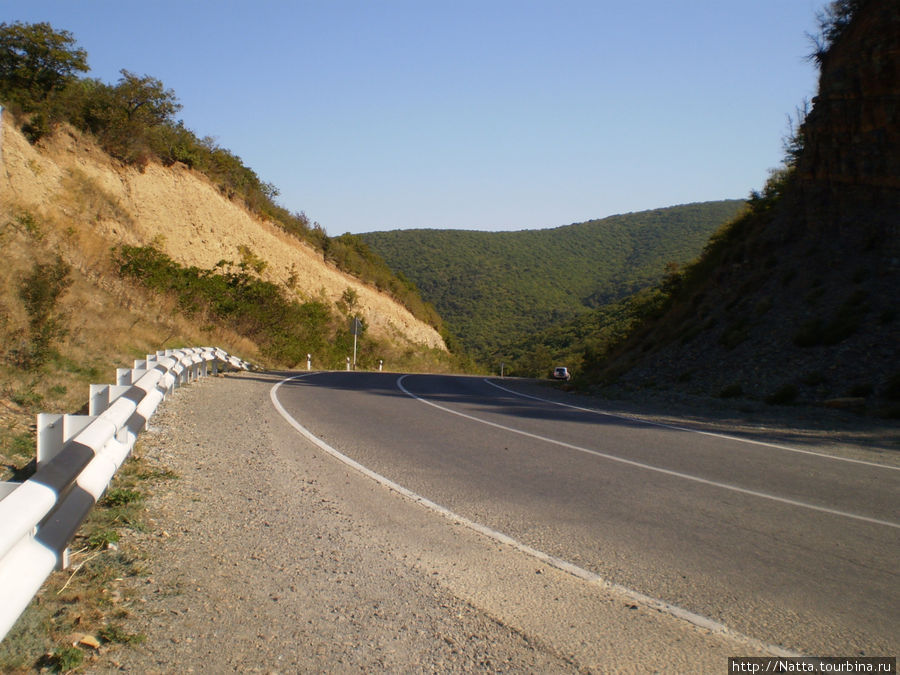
472	395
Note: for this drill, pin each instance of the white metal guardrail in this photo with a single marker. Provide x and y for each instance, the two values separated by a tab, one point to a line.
77	456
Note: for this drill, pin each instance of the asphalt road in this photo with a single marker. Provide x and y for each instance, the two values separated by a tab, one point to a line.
787	546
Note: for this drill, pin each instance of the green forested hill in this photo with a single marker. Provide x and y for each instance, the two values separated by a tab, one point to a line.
491	288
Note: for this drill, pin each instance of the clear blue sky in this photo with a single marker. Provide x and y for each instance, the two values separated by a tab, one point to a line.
477	114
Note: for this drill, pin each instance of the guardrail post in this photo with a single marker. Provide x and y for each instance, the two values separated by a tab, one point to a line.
53	432
195	366
98	398
103	395
49	436
131	375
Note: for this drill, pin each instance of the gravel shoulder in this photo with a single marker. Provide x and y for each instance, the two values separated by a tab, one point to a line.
267	555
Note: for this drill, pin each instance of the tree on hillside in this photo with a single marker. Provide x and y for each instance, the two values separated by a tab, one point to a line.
125	116
36	60
145	100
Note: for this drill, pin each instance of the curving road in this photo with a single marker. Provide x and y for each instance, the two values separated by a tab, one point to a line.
789	546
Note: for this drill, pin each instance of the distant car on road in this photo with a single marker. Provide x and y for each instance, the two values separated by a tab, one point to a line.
561	373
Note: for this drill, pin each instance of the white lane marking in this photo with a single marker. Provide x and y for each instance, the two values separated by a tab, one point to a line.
714	434
650	467
585	575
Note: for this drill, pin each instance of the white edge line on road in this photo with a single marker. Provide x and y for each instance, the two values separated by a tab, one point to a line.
650	467
585	575
714	434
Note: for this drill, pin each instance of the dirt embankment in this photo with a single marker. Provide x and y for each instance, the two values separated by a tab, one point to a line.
67	177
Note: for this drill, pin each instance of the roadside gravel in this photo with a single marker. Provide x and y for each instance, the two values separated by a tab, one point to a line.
266	555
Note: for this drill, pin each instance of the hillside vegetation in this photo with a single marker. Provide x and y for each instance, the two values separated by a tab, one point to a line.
134	121
494	288
110	255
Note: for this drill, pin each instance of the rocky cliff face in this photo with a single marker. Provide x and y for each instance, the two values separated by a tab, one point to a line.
850	165
802	305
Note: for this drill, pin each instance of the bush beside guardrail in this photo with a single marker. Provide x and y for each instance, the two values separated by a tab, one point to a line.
77	456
